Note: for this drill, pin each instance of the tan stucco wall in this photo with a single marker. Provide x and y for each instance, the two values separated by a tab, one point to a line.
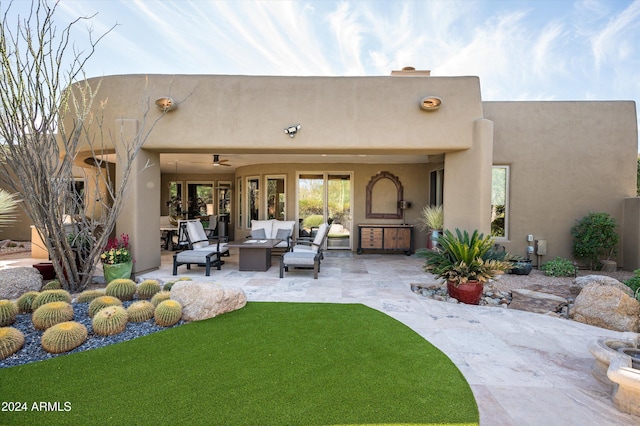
337	114
566	159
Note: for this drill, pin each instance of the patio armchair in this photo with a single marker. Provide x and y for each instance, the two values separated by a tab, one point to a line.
191	234
315	244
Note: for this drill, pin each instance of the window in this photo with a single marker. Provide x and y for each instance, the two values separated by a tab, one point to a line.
253	200
276	197
500	201
74	204
239	186
436	187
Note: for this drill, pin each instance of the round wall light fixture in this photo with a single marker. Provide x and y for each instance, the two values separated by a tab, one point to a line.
430	103
166	104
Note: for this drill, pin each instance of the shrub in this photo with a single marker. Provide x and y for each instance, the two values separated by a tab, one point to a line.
594	237
110	320
634	283
160	297
141	311
101	303
64	337
52	285
88	295
122	288
168	313
51	313
25	301
559	267
8	312
11	340
48	296
148	288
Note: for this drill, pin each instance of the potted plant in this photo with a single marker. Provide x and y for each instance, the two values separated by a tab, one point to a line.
431	220
466	262
116	259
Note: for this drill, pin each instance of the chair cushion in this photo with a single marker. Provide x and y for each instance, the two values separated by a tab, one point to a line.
322	230
200	245
193	256
299	259
258	234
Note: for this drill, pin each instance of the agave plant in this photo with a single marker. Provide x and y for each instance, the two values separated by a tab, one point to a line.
462	258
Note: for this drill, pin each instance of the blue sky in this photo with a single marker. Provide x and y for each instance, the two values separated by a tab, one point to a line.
521	50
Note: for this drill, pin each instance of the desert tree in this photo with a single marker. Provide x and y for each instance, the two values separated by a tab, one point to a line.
50	113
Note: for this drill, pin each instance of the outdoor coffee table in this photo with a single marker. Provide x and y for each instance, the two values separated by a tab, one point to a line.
254	254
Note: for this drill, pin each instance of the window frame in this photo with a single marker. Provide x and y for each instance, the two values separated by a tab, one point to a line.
507	169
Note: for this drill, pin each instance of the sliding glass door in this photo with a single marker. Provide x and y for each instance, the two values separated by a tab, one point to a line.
326	197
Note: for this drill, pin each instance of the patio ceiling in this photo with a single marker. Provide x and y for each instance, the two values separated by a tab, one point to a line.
201	163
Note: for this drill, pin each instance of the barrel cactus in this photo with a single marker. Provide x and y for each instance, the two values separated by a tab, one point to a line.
148	288
168	313
160	297
51	313
63	337
122	288
169	284
102	302
110	320
11	340
8	312
88	295
25	301
50	296
141	311
52	285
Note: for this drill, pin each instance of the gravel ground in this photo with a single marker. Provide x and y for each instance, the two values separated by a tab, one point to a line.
538	280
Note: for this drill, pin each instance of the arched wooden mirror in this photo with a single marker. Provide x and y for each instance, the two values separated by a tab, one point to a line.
384	193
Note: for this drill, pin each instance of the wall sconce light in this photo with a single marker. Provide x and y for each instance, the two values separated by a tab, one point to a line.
404	205
430	103
166	104
292	130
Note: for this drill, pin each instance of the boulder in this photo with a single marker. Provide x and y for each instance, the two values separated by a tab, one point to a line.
14	282
582	282
536	301
202	300
607	306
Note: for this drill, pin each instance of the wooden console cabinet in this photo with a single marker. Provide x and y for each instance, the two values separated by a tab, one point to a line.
385	238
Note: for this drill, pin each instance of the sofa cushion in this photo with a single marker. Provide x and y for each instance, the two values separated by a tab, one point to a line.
267	225
283	224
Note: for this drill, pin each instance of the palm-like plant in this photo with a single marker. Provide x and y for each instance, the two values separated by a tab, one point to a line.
462	258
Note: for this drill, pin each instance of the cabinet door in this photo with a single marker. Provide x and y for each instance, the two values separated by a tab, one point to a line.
404	239
390	238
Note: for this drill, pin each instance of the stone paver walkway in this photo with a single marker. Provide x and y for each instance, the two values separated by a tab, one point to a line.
524	368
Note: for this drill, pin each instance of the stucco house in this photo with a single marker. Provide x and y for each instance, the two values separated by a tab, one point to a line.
339	148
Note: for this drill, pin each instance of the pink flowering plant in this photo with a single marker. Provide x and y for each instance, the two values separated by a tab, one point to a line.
117	251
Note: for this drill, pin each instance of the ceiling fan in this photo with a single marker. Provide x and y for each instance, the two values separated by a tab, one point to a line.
216	161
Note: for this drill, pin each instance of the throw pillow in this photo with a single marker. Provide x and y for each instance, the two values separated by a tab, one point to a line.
258	234
283	234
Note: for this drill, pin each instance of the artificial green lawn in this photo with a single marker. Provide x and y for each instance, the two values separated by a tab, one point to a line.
266	364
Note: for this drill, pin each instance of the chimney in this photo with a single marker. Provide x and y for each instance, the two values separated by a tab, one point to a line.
411	72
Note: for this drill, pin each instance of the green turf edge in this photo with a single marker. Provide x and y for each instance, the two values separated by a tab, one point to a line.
343	359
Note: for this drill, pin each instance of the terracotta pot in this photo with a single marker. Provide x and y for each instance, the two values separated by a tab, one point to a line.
46	270
469	292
